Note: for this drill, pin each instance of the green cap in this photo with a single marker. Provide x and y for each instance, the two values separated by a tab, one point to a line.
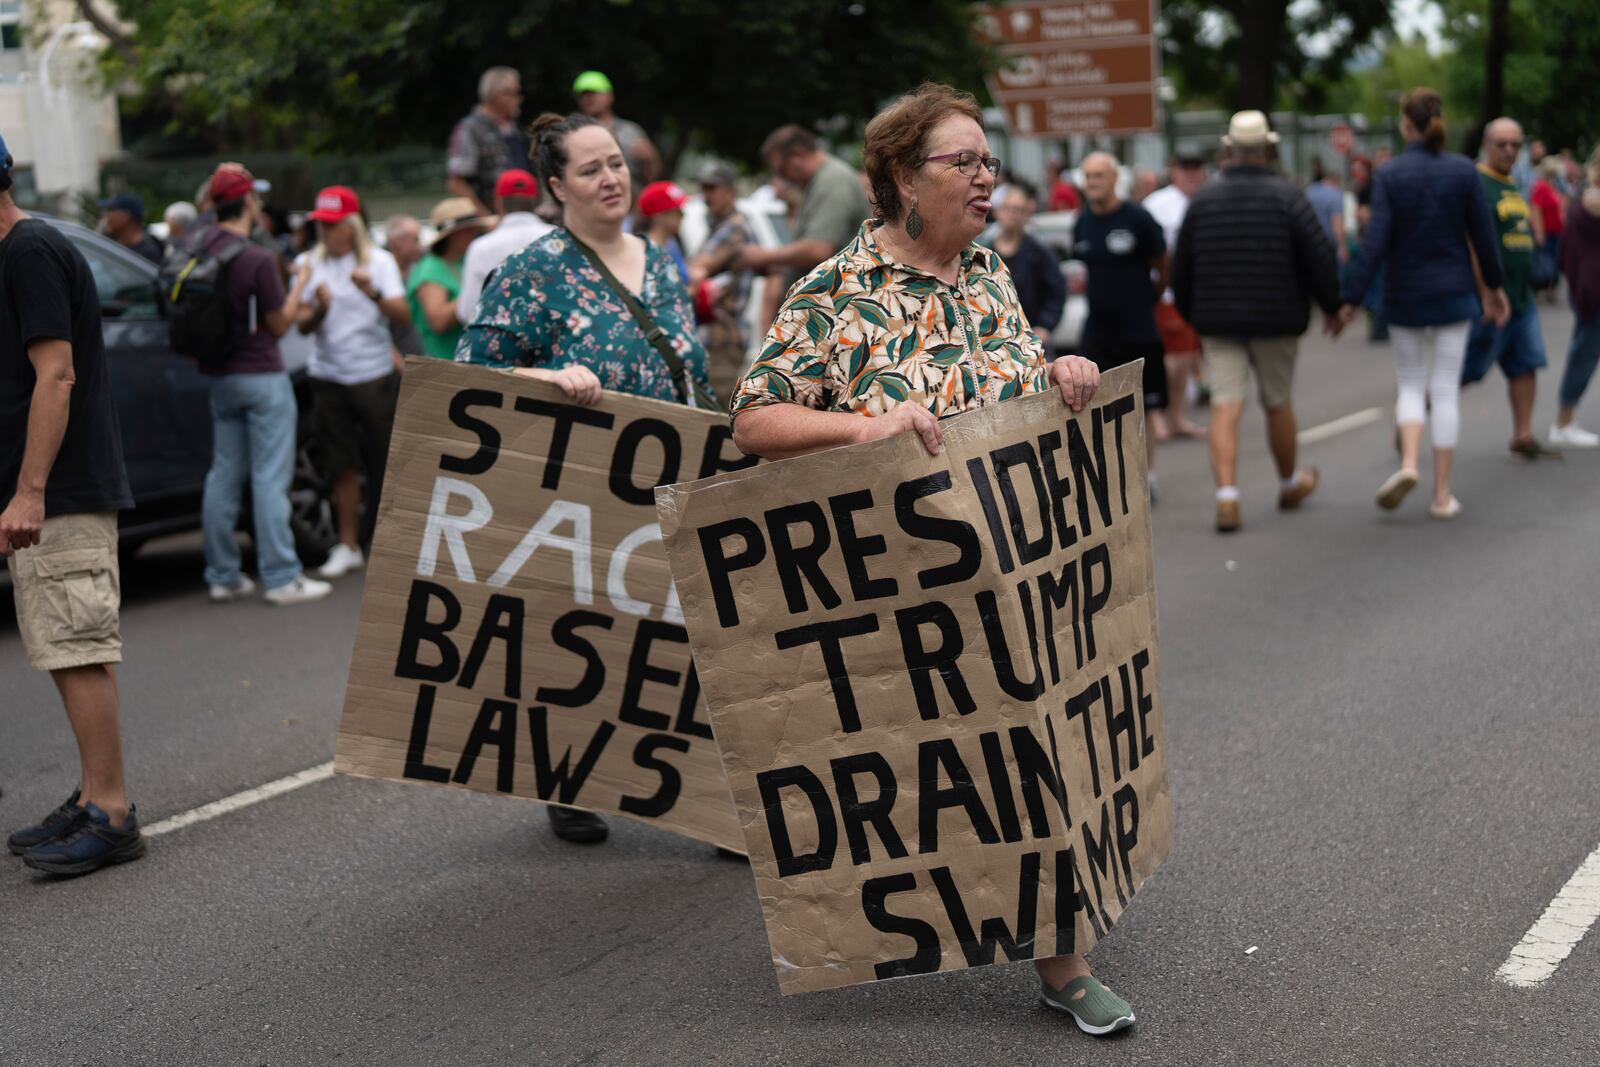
591	81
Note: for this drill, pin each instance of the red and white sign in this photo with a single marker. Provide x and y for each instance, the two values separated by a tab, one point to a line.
1075	66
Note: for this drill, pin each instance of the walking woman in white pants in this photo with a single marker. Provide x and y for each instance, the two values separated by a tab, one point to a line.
1429	215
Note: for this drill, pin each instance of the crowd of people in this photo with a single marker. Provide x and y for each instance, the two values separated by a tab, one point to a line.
557	254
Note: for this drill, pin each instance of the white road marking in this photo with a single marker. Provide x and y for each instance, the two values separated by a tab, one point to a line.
1557	932
1343	424
242	800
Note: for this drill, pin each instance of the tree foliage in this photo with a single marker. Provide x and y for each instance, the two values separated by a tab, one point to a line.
367	74
1553	50
1242	53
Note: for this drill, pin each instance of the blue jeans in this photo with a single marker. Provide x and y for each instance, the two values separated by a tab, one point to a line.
1582	357
253	419
1518	347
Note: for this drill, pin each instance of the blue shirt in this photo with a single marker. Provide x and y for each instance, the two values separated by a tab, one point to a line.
1328	202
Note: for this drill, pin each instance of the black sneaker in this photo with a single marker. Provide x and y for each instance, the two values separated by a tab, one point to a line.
91	842
47	829
579	827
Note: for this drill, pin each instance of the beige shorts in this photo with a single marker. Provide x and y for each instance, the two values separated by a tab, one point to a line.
1228	363
69	593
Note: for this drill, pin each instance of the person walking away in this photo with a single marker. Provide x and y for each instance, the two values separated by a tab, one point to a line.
719	286
122	220
1179	341
1580	262
832	207
1430	222
179	216
62	483
597	98
435	282
661	204
932	177
356	295
558	310
487	142
1041	287
254	416
1517	345
1550	202
1251	258
516	197
1326	197
1122	246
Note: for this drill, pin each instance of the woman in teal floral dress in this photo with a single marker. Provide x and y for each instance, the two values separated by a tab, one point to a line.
548	313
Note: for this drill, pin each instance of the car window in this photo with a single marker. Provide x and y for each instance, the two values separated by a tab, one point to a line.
126	291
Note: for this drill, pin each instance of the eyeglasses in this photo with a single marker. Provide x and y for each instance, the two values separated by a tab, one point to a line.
1508	144
968	162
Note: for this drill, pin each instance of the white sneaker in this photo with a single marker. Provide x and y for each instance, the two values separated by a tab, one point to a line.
341	561
302	590
1573	436
223	594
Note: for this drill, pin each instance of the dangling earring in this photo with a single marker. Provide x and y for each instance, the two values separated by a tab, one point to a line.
913	223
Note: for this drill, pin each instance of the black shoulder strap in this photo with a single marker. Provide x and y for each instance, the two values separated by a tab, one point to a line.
690	392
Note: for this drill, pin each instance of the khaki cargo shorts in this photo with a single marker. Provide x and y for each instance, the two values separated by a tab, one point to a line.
69	593
1228	364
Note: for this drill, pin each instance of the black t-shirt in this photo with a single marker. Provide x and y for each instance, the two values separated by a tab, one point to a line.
150	247
1118	247
47	291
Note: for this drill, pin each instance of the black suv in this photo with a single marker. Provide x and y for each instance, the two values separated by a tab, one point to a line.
164	408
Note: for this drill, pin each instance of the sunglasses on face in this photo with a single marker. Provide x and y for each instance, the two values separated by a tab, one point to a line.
967	162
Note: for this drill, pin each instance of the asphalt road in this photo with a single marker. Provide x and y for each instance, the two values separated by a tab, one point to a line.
1383	740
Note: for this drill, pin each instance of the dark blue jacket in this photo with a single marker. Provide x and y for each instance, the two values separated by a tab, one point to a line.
1426	207
1041	289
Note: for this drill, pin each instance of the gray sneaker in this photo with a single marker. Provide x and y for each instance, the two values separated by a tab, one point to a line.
301	590
1098	1011
225	594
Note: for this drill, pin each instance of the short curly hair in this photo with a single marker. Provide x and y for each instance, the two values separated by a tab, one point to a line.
897	139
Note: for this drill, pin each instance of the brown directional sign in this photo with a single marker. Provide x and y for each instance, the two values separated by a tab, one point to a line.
1075	66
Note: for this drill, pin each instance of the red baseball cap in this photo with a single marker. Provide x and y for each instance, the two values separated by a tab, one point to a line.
516	183
231	181
335	204
660	196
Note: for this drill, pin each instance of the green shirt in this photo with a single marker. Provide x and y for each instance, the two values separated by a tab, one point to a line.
431	268
1511	211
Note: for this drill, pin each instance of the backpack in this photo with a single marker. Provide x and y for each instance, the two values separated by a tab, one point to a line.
193	286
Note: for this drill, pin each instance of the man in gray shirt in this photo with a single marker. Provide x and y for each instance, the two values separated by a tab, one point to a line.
831	214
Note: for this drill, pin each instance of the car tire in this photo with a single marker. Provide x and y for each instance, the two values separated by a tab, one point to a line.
311	515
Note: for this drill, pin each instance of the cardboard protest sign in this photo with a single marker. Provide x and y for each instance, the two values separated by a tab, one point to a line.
934	681
519	632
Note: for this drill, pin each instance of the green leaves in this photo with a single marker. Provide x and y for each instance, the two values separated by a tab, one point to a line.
361	75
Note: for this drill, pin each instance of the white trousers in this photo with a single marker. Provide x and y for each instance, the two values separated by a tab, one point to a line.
1427	364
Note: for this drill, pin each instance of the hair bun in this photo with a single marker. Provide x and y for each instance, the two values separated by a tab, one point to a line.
546	121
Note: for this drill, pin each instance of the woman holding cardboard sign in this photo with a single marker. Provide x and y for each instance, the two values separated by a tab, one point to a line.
913	321
588	307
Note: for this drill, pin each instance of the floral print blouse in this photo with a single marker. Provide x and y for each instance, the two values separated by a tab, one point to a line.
863	333
547	307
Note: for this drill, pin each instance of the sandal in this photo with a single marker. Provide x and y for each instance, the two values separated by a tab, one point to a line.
1447	511
1395	488
1099	1011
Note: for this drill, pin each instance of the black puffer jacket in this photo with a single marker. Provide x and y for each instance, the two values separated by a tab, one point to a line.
1250	258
